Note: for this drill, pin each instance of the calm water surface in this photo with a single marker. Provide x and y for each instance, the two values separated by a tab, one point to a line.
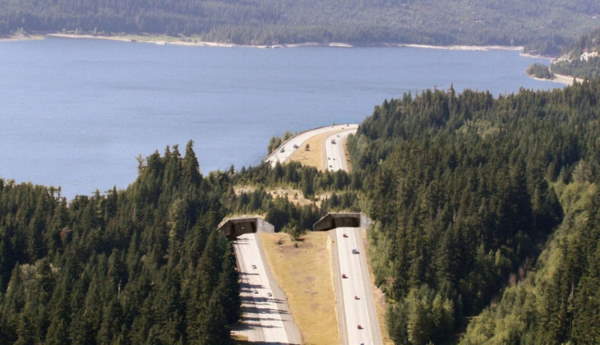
76	113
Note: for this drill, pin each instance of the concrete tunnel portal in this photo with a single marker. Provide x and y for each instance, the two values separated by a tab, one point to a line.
235	226
338	220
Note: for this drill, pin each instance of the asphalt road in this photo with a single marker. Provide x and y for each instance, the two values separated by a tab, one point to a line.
283	152
265	313
334	150
359	324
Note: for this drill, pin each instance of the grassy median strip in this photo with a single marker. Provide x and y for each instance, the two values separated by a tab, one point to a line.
304	274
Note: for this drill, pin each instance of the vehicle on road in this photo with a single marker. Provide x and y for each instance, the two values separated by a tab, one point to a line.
256	292
359	326
355	251
296	146
270	294
253	266
333	141
282	150
345	235
356	298
345	276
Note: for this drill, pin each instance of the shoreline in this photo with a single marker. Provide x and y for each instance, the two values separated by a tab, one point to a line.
197	42
21	37
192	42
564	79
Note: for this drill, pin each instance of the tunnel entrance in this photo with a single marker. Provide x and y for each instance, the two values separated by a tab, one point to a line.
235	226
338	220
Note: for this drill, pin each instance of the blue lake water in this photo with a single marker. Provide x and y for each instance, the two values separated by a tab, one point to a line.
76	113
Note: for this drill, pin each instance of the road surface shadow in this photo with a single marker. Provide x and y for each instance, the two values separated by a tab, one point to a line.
259	310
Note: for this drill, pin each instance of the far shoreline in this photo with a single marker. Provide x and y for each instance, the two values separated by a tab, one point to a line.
197	42
191	41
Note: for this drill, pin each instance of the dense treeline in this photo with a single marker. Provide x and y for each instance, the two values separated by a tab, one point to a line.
543	25
140	266
462	189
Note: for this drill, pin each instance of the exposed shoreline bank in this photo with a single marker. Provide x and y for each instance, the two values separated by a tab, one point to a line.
196	41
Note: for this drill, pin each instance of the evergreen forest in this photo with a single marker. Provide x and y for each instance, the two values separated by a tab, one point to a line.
486	215
486	231
543	26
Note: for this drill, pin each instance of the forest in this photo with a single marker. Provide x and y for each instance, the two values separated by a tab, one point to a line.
486	215
543	26
486	230
142	265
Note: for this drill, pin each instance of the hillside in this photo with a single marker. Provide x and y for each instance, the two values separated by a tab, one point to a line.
542	25
582	59
467	191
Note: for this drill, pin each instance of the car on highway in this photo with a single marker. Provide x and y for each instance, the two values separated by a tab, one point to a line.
333	141
282	150
345	235
345	276
253	266
355	251
359	326
356	298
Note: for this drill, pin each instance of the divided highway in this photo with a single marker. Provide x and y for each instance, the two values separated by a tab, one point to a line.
283	152
265	313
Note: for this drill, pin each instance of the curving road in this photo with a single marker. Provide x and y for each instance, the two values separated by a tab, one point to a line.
283	152
335	150
265	314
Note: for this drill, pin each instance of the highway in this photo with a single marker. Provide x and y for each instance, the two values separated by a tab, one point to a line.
265	313
335	150
359	324
283	152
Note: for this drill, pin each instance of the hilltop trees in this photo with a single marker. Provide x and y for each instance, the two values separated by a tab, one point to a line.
462	189
140	266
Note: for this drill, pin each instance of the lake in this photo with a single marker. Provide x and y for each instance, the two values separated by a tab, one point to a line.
76	113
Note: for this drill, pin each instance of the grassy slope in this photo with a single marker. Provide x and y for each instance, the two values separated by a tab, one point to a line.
304	273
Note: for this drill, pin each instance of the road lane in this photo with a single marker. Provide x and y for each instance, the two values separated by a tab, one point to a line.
265	315
335	150
359	311
285	150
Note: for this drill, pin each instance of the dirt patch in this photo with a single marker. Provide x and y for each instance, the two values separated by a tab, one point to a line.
302	270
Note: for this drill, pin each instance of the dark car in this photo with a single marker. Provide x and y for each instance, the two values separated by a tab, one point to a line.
345	276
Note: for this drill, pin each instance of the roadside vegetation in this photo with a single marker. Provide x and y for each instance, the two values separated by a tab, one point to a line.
275	142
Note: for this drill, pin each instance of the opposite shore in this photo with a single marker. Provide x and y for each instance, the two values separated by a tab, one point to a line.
197	42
